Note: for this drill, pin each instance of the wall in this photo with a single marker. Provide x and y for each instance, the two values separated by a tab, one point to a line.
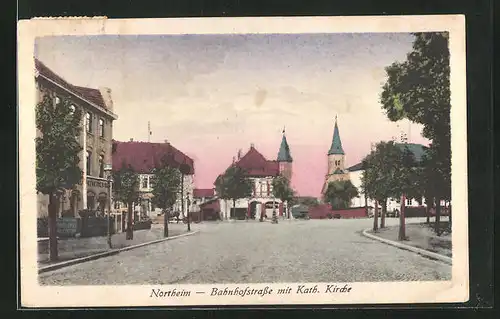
324	210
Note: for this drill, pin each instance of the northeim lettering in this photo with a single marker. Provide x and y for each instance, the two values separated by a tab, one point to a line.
158	293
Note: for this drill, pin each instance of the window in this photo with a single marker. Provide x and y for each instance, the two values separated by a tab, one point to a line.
88	119
72	109
101	127
408	201
101	166
88	160
144	182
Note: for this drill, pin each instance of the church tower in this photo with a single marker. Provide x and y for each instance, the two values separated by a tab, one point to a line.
285	158
336	160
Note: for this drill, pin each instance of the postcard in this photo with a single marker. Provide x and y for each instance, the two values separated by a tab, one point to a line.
242	161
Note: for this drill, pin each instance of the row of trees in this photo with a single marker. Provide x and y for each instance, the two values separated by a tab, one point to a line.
58	167
234	184
418	90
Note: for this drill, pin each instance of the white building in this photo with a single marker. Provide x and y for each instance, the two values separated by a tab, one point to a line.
261	172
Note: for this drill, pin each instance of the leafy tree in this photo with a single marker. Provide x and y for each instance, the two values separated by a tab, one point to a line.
233	185
418	89
389	173
283	191
126	190
57	156
340	193
166	183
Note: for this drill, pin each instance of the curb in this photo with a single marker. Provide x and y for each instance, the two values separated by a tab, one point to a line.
108	253
419	251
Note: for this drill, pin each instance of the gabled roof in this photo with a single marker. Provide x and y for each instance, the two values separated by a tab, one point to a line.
256	165
418	151
89	94
144	157
336	147
284	151
203	192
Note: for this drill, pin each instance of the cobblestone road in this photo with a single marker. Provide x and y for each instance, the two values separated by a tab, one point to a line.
252	252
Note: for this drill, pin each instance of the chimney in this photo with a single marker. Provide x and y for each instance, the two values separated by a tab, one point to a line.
252	144
106	96
131	139
239	154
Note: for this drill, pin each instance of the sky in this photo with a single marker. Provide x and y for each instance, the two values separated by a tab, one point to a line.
212	95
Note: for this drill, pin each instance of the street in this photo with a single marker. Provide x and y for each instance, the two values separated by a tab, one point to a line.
253	252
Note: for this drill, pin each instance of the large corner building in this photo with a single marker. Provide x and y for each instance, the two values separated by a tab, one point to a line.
97	133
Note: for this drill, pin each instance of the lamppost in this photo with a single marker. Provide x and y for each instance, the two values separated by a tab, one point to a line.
107	169
275	218
188	202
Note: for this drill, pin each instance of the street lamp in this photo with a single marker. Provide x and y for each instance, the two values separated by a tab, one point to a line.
107	169
188	200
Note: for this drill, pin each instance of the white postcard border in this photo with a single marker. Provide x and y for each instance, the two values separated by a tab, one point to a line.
34	295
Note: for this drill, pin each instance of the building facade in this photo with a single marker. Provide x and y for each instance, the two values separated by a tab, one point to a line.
144	157
96	137
261	172
356	173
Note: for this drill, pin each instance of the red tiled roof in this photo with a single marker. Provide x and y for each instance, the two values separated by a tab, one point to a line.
89	94
255	164
203	192
143	156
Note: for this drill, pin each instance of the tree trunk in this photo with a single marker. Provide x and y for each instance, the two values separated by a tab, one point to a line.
234	209
130	231
438	217
384	212
402	226
166	217
428	212
53	252
366	205
375	217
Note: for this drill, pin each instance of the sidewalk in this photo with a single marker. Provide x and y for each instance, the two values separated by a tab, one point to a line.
419	236
73	248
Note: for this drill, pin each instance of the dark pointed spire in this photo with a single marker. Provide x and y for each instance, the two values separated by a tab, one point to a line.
336	147
284	152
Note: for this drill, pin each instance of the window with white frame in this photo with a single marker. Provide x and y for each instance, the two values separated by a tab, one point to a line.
101	165
145	181
101	127
72	109
88	161
408	201
88	122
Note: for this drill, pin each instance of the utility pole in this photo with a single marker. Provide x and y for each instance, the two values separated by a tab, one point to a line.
149	132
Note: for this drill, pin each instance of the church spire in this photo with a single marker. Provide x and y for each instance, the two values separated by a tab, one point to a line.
284	152
336	147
